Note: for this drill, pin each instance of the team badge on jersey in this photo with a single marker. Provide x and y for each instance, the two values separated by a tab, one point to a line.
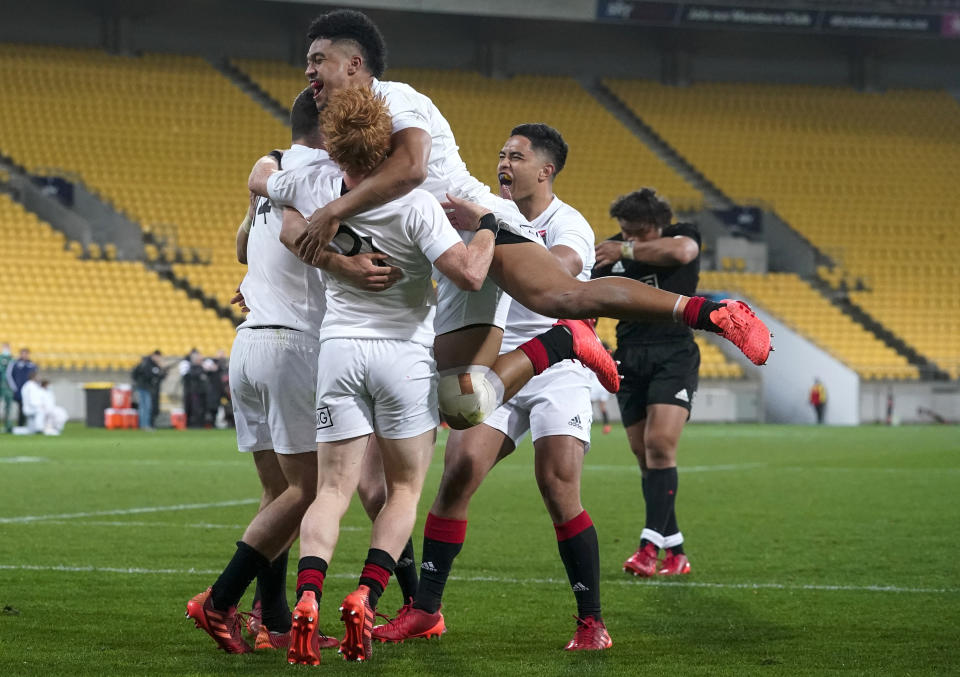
324	419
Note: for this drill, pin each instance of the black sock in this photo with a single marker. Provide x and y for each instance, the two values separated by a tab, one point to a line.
376	573
311	571
672	530
406	572
580	554
659	491
237	577
558	342
272	587
442	541
604	416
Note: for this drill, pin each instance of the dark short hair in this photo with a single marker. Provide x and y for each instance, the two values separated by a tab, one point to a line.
349	24
544	138
643	206
158	353
303	114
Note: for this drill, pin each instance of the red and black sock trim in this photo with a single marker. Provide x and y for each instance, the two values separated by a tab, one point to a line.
442	541
311	571
696	314
376	573
580	553
550	347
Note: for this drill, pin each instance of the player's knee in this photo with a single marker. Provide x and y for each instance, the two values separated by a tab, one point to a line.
468	397
659	450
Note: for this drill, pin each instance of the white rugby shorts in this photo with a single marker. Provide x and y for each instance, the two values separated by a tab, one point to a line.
456	308
556	402
382	386
273	380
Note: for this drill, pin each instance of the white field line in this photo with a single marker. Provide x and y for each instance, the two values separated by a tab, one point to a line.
515	581
174	525
127	511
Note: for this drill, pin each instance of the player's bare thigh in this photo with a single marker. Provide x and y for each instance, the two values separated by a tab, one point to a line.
533	276
477	344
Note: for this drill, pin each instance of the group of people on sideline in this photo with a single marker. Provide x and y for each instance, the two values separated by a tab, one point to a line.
21	384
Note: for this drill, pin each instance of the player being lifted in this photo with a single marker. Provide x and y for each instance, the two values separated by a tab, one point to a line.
347	50
554	407
378	372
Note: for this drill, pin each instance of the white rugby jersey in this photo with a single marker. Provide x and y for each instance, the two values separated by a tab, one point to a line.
279	288
412	230
559	224
446	171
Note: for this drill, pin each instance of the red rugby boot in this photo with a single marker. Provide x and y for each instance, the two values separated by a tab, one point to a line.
591	635
357	615
745	330
304	637
223	626
643	562
410	623
588	348
674	565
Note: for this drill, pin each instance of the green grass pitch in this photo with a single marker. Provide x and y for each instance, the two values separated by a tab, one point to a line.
814	551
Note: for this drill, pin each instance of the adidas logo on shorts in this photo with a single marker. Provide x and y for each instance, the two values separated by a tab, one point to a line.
428	566
682	395
575	422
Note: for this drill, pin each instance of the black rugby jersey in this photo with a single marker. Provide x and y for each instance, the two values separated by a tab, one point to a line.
677	279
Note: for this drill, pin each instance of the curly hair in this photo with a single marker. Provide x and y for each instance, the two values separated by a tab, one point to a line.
643	206
349	24
356	126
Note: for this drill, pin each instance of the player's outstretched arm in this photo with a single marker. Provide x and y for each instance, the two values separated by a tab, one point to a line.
402	171
367	271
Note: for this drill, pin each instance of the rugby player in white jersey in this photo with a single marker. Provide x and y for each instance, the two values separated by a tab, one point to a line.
554	406
273	377
378	375
347	50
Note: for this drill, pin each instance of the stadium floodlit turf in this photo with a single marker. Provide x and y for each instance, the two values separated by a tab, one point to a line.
814	550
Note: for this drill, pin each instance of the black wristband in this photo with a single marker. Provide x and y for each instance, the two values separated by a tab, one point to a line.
489	222
278	156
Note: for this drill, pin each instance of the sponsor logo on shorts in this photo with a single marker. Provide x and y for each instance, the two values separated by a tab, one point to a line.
580	587
324	419
682	395
618	268
651	279
575	422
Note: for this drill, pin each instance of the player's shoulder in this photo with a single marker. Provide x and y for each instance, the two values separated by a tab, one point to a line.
682	229
570	214
420	201
399	92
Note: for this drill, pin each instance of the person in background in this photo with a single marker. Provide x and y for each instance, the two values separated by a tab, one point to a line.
147	377
818	399
18	373
40	408
6	392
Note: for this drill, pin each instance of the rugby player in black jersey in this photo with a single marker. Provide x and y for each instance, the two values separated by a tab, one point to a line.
659	363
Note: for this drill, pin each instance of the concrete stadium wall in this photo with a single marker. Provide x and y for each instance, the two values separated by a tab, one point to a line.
911	402
789	374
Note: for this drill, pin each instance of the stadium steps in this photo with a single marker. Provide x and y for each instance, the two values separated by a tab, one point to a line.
711	193
165	272
928	370
246	85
